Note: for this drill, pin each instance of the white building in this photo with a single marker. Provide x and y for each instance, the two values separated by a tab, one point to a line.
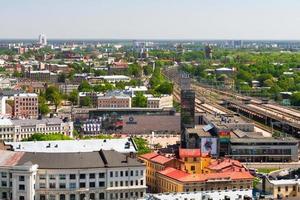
17	130
245	194
3	105
122	145
165	101
42	39
105	174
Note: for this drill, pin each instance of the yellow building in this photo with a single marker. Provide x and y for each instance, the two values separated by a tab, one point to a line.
193	162
287	188
174	180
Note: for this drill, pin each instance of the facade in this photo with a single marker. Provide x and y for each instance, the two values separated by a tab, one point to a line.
26	105
283	189
92	95
105	174
42	39
114	100
17	130
41	75
264	149
193	171
160	102
67	88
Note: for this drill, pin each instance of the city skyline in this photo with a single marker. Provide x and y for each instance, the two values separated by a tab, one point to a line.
157	19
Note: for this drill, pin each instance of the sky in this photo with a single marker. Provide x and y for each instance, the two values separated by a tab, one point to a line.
150	19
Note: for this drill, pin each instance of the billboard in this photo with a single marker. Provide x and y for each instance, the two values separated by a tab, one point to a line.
224	136
209	145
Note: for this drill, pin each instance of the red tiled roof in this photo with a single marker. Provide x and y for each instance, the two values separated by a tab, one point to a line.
161	159
185	177
149	155
189	153
226	165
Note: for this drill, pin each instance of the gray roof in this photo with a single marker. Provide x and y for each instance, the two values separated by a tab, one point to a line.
30	122
99	159
263	140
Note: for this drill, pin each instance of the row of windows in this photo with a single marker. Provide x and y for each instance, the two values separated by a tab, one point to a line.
71	176
125	183
122	173
72	185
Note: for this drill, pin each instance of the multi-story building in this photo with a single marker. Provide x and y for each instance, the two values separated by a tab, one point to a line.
160	102
114	100
26	105
68	88
41	75
17	130
104	174
92	95
193	171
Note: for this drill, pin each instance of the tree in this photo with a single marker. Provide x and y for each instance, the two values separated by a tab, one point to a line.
295	99
56	99
85	87
165	88
62	78
139	100
43	107
86	101
73	97
52	94
142	145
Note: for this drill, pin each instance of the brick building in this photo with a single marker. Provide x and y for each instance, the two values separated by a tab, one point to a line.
26	105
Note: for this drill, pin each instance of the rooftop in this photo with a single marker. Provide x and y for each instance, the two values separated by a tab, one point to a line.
26	95
189	153
123	145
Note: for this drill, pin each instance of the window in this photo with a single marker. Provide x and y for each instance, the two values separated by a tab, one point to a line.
142	182
101	175
111	184
51	197
121	173
82	176
52	177
111	174
52	185
4	195
294	188
194	159
126	183
121	195
92	176
42	197
62	197
101	195
82	185
3	183
131	173
142	172
126	195
62	185
121	183
21	178
42	176
131	183
21	198
136	172
116	174
82	196
286	188
72	185
3	175
192	168
72	197
42	185
116	183
126	173
142	194
136	182
92	184
72	176
92	196
22	187
62	177
101	184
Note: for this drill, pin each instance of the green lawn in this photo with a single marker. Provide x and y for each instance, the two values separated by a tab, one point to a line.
266	170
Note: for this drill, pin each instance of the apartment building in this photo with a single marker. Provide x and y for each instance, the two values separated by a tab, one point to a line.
165	101
104	174
68	88
26	105
114	100
17	130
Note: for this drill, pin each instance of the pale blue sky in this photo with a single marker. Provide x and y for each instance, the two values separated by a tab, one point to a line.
151	19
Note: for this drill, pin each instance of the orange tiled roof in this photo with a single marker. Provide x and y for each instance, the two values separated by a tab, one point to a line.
185	177
149	155
226	165
189	153
161	159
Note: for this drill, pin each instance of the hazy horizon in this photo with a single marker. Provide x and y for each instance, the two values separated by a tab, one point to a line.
151	20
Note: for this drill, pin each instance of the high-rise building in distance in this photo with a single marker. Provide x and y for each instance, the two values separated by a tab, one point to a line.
42	39
187	118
